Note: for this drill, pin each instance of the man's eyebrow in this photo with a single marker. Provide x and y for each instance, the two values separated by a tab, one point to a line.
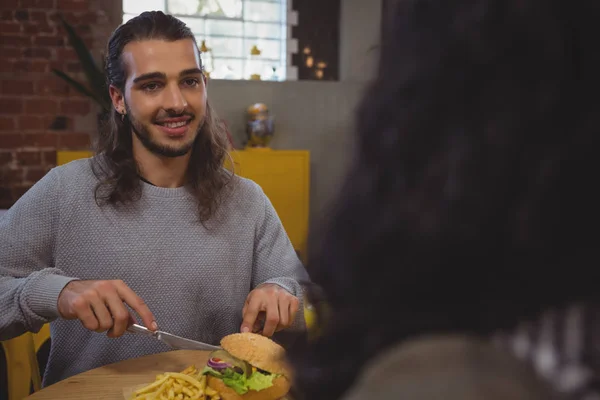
190	71
150	75
161	75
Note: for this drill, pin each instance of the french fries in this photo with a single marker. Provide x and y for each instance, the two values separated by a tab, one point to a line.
188	384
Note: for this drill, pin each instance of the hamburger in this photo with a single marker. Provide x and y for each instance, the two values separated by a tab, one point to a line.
248	367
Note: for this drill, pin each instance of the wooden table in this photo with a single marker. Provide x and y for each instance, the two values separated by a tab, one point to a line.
109	381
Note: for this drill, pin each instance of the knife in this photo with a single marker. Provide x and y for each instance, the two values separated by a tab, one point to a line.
171	340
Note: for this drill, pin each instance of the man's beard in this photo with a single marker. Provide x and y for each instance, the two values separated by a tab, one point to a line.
145	138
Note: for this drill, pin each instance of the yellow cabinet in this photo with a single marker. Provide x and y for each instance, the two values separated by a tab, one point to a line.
284	175
64	157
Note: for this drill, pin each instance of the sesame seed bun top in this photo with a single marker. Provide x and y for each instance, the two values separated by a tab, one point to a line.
257	350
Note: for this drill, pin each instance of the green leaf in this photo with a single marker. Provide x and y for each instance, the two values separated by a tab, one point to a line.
210	371
77	85
237	382
258	381
94	75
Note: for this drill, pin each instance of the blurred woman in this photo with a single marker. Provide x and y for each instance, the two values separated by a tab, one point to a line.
460	255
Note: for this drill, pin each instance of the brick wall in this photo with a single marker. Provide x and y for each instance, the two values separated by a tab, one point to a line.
40	113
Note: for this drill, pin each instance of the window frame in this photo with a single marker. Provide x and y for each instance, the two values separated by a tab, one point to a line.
287	46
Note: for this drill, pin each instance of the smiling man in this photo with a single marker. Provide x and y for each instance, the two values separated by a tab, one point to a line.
152	225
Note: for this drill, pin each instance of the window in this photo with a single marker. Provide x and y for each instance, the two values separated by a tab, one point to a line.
229	32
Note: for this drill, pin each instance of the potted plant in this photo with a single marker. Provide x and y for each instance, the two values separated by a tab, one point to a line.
95	87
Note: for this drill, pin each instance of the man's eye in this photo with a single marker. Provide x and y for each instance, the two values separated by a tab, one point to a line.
191	82
150	87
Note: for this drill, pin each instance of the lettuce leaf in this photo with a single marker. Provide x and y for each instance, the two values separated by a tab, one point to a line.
238	382
258	381
234	380
210	371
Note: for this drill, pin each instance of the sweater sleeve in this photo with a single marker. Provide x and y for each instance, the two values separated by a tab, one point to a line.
29	283
275	260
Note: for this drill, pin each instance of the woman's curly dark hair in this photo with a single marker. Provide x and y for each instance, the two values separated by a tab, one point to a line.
116	168
470	203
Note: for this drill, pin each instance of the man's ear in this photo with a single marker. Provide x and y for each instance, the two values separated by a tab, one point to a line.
118	99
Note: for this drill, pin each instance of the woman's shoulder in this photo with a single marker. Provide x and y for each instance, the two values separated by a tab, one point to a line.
449	367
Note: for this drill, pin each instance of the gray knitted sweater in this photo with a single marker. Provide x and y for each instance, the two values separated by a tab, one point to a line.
195	279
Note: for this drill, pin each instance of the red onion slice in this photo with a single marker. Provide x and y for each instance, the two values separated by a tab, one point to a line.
218	364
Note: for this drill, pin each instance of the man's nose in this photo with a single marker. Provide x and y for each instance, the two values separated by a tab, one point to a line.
175	100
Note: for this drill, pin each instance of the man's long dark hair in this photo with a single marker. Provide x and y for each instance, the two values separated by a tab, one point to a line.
472	200
206	176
